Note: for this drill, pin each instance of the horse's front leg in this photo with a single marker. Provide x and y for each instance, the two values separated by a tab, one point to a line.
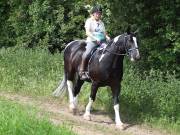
94	88
116	92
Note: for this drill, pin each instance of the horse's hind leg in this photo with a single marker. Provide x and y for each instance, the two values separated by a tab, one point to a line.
71	97
77	87
70	87
74	89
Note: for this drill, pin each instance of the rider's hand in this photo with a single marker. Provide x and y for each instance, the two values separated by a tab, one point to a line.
108	38
98	41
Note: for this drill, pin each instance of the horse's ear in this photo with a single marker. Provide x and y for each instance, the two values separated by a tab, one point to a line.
128	30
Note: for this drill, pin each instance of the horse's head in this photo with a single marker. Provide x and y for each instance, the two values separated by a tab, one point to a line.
131	46
127	45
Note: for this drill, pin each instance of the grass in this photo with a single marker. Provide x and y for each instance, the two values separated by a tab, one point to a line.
147	97
16	119
152	98
163	124
34	72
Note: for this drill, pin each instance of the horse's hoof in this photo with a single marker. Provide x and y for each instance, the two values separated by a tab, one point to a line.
74	111
87	117
120	126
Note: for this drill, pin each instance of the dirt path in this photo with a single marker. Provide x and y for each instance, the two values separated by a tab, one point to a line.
101	124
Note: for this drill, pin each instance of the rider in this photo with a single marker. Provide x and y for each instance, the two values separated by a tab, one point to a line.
96	34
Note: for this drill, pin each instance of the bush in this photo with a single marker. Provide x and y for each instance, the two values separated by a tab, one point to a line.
156	95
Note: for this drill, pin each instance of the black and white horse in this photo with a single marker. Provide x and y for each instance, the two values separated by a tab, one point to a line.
105	68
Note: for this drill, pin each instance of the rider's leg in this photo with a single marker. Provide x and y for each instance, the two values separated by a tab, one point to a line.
89	48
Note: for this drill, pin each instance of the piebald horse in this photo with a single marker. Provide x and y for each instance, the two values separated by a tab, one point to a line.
105	68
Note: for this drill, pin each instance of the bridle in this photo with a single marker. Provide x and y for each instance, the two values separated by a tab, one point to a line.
127	51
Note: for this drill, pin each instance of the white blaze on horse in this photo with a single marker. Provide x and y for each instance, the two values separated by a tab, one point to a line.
105	68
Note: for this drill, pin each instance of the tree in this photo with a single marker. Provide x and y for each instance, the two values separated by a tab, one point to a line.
53	23
158	24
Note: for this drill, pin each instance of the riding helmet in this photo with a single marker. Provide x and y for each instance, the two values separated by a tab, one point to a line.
96	8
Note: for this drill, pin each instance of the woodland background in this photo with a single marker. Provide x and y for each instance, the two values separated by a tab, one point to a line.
53	23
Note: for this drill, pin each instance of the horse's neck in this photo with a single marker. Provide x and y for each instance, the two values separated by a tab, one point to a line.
118	62
113	60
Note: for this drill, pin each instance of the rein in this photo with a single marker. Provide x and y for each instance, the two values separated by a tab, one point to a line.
116	53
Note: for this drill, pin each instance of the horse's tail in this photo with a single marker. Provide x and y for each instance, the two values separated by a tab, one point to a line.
61	87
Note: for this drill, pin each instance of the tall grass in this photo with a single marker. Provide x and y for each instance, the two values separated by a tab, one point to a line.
29	71
16	119
152	97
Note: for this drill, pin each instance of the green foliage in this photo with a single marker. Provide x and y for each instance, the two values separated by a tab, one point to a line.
18	120
156	95
29	71
6	34
43	22
158	24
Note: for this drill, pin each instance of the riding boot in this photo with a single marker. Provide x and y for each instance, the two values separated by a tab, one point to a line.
82	73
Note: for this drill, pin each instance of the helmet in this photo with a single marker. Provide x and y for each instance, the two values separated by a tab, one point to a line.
96	8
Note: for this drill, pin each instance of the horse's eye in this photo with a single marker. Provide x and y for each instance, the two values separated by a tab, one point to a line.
131	39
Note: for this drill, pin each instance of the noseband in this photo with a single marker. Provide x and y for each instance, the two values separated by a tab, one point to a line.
125	46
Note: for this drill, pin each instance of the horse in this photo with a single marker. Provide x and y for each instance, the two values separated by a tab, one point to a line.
105	68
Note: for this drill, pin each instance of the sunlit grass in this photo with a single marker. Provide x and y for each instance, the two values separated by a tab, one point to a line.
34	72
16	119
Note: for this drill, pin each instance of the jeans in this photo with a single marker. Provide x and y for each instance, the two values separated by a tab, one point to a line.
89	47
